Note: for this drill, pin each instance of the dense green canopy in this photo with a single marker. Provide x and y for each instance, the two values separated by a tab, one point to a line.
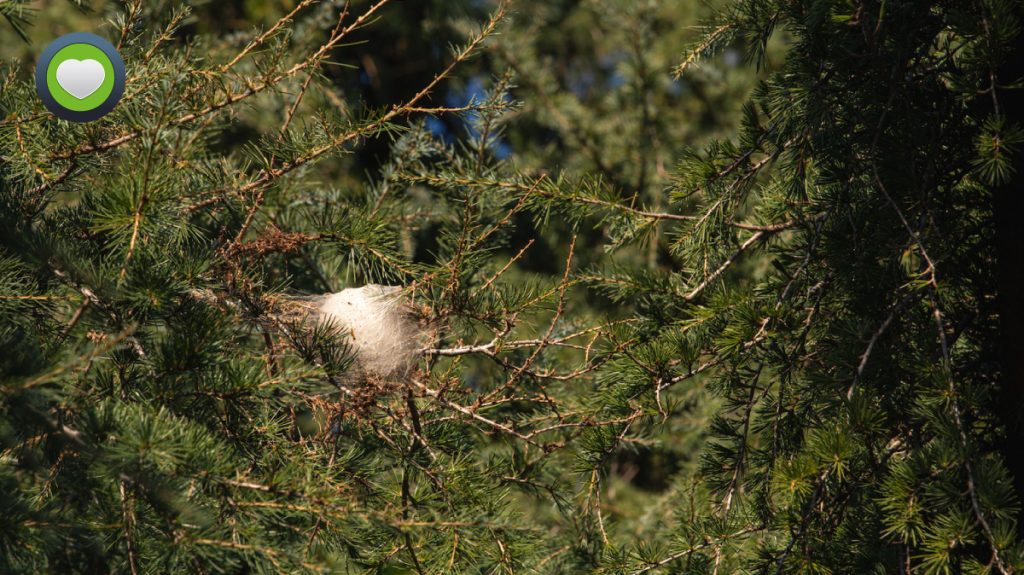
688	287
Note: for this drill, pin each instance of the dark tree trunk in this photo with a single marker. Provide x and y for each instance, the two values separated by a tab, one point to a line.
1009	211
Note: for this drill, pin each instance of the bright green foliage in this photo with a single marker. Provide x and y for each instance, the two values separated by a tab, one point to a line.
712	287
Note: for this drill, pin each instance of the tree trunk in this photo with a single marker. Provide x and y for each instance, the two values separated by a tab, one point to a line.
1009	208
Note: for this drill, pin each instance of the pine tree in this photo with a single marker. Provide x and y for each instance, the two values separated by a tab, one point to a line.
858	370
668	298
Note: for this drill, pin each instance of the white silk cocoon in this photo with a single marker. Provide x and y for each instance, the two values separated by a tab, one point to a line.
376	319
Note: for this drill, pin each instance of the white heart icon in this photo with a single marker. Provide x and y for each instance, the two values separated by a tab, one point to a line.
80	78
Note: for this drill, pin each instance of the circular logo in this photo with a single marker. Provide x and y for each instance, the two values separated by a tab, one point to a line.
80	77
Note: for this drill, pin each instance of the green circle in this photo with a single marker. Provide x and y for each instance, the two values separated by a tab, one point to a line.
80	52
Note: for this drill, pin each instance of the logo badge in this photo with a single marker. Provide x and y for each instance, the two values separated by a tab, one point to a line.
80	77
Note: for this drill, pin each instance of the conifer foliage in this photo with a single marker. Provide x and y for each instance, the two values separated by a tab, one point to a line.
679	299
